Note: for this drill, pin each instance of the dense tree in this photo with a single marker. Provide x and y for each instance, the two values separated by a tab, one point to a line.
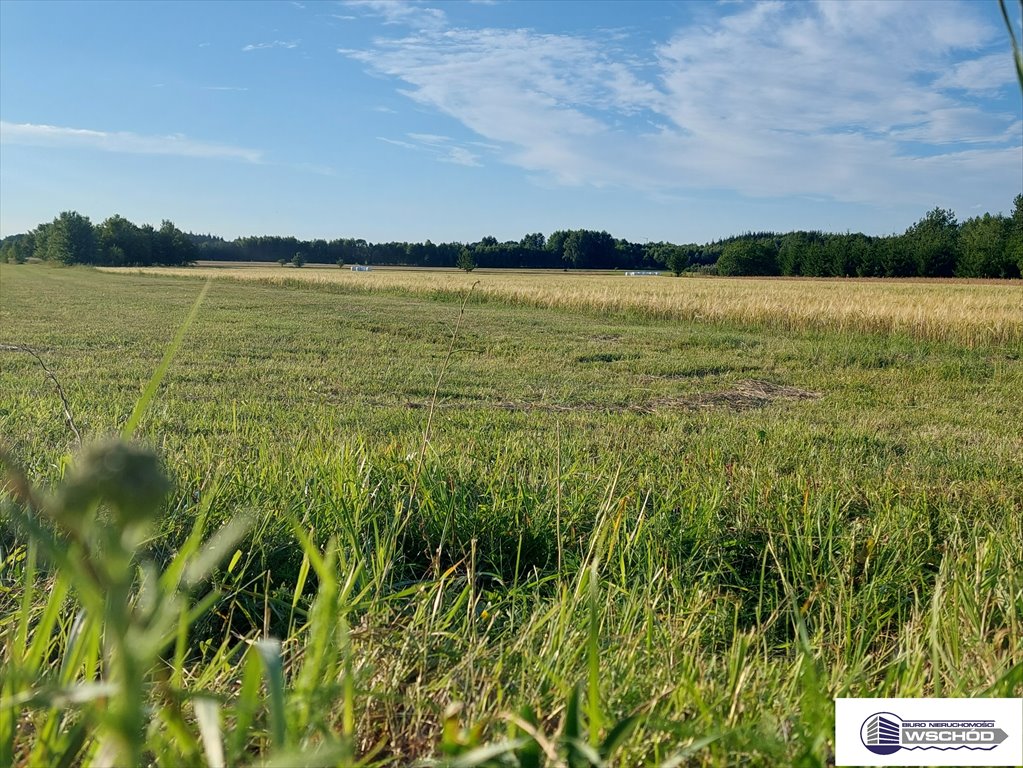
896	257
466	261
933	243
534	242
791	250
749	257
985	246
1014	238
119	242
18	248
983	253
674	257
71	239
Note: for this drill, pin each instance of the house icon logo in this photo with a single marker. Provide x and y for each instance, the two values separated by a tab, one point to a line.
885	733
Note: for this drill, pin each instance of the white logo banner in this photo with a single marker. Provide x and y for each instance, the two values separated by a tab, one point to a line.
929	732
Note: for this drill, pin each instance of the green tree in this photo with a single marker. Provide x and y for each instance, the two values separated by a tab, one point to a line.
173	246
573	251
674	257
17	248
749	257
1014	237
933	243
792	250
534	241
466	260
895	256
40	240
119	242
556	243
298	260
983	240
71	239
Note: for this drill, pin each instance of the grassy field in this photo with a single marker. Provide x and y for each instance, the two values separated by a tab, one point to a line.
970	312
655	522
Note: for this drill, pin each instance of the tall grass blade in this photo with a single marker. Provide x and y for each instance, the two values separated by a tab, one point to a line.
1017	54
207	716
273	668
168	357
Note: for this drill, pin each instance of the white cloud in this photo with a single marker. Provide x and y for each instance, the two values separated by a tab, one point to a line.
846	101
275	44
411	14
122	141
461	156
987	74
429	138
441	148
398	143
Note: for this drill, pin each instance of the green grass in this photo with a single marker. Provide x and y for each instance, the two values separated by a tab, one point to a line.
706	530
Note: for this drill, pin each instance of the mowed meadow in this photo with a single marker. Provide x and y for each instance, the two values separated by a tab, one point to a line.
500	519
968	311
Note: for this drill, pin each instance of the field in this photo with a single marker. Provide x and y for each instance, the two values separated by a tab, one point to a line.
577	519
966	311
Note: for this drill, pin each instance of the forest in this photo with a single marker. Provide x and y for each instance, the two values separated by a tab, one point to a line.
938	245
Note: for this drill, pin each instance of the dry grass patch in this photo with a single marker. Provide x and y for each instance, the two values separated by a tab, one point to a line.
744	396
965	312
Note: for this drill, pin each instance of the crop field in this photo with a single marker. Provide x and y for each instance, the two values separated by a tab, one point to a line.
499	519
970	312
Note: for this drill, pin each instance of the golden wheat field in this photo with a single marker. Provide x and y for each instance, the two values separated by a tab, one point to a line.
967	312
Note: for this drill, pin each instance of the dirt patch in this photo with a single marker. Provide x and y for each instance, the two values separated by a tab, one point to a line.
694	373
601	357
744	396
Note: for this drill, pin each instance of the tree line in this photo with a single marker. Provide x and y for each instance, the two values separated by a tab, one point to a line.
71	238
936	246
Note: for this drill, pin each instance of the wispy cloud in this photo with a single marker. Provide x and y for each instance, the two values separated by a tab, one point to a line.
867	101
416	15
985	75
461	156
429	138
274	44
441	148
122	141
398	143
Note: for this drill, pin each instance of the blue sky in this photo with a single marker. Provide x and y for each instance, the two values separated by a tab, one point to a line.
680	121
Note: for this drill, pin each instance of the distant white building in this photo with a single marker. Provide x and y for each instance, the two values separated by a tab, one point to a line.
361	268
642	273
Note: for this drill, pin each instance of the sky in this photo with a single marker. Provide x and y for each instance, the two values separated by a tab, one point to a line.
675	121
